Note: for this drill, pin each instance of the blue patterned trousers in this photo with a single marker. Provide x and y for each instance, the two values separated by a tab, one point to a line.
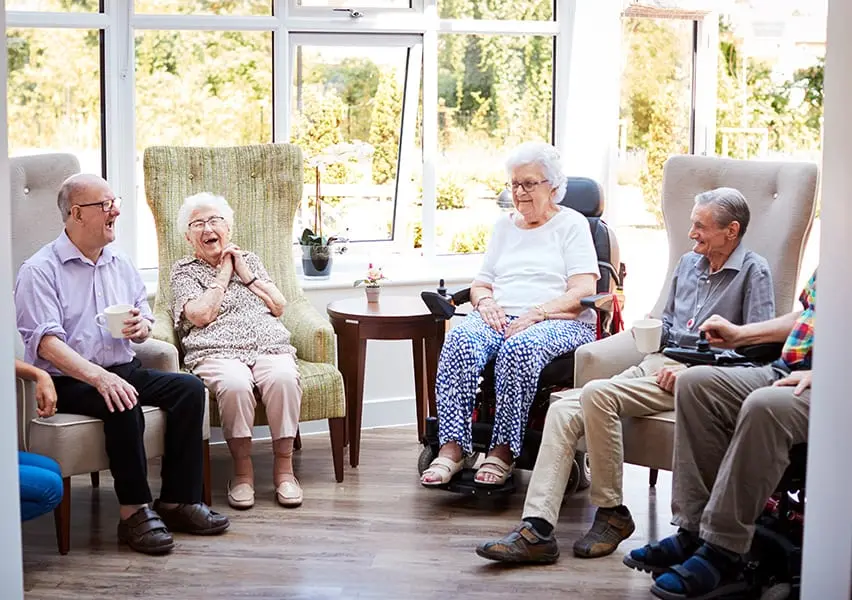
467	349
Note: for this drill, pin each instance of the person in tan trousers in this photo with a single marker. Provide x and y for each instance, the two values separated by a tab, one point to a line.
719	276
226	310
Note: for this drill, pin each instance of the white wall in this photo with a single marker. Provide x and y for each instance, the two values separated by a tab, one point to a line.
827	567
11	574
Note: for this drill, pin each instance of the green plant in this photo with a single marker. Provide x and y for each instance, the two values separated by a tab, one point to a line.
471	240
309	238
450	194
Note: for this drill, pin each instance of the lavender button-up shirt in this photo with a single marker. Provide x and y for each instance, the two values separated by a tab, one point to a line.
60	292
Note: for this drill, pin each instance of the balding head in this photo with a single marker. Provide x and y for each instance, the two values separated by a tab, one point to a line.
76	189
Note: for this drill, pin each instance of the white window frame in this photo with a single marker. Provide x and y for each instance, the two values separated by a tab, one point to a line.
120	23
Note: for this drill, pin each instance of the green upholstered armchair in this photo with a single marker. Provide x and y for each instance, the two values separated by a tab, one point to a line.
263	184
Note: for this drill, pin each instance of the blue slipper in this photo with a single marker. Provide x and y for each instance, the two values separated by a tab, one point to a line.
705	575
668	552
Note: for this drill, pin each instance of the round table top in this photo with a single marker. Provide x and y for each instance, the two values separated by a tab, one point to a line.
388	307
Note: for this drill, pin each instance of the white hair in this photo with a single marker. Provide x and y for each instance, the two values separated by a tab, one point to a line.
204	200
545	156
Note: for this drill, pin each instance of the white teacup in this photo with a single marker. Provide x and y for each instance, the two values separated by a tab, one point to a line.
113	318
646	334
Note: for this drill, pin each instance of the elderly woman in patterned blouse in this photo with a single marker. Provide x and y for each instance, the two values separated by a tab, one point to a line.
226	311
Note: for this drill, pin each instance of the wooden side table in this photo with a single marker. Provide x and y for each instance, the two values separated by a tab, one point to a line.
392	318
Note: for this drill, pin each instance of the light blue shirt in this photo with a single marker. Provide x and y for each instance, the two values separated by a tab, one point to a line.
60	292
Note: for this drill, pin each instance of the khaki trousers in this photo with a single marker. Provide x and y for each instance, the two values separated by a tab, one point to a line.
603	403
733	436
233	383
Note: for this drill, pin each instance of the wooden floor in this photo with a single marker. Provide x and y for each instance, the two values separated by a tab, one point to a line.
379	534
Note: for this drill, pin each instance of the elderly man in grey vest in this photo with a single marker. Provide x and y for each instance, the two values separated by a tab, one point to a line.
719	276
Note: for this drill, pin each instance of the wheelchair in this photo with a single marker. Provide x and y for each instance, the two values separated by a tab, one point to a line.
774	561
583	195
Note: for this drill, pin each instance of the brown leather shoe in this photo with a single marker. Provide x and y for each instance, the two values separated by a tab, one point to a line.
523	545
610	528
145	532
197	519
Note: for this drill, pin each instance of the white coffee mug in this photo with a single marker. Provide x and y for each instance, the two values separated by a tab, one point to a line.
113	318
646	334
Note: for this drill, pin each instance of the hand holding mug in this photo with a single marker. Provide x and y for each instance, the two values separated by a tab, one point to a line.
136	327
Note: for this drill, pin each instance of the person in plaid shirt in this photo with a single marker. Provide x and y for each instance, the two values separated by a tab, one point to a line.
734	430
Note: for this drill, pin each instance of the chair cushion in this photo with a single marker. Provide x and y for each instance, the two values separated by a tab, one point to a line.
77	442
649	440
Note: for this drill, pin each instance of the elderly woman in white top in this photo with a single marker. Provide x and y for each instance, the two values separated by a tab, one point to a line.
226	310
539	263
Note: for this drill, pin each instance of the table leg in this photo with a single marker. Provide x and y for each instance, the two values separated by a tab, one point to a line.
351	360
433	351
420	391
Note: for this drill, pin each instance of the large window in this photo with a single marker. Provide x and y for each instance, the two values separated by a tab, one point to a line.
198	88
54	93
494	92
106	79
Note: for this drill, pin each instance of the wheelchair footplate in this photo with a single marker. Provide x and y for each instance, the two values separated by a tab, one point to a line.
464	483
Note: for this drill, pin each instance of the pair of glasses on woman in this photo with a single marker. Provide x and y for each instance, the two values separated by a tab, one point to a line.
214	221
106	205
527	186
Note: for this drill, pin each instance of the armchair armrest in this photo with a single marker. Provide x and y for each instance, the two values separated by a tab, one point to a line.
310	333
157	354
25	391
164	330
604	358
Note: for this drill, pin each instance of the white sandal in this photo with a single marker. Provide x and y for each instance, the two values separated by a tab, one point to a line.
493	466
444	467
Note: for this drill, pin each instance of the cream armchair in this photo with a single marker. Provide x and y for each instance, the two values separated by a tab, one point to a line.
781	196
76	442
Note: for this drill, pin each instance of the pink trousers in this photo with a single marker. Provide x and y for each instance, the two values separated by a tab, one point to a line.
233	383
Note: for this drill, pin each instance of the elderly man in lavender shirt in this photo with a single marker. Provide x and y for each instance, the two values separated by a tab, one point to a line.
59	292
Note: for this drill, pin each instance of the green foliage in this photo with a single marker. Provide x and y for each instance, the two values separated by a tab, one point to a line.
471	240
450	194
309	238
385	127
660	142
355	81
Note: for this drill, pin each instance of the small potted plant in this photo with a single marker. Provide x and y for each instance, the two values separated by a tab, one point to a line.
372	282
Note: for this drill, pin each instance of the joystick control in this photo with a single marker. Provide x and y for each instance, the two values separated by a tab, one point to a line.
703	345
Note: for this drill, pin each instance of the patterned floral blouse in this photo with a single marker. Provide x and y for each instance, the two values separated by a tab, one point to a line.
244	329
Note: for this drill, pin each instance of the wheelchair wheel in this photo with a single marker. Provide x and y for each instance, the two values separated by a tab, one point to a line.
573	480
425	459
779	591
585	470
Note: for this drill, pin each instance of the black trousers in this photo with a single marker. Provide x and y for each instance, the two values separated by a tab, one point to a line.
181	396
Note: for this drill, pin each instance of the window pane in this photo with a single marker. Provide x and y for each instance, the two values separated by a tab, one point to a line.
356	3
494	93
521	10
54	93
346	94
54	5
205	7
198	88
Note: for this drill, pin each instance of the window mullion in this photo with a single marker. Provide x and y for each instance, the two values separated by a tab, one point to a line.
120	141
430	127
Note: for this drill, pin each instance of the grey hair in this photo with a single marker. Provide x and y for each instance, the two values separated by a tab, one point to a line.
545	156
204	200
71	187
729	205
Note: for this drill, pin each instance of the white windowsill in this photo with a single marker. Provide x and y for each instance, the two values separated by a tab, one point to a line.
401	270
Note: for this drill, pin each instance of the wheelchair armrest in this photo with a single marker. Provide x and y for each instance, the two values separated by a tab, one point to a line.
440	306
598	302
461	296
761	352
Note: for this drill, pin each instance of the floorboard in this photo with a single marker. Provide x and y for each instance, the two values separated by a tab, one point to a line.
378	535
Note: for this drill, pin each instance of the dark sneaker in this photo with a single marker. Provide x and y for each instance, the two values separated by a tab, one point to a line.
610	528
197	519
523	545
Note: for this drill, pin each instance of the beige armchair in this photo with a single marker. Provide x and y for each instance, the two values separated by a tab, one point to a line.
76	442
781	196
263	184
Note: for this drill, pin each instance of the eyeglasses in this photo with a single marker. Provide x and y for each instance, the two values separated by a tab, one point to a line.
528	186
214	221
106	205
